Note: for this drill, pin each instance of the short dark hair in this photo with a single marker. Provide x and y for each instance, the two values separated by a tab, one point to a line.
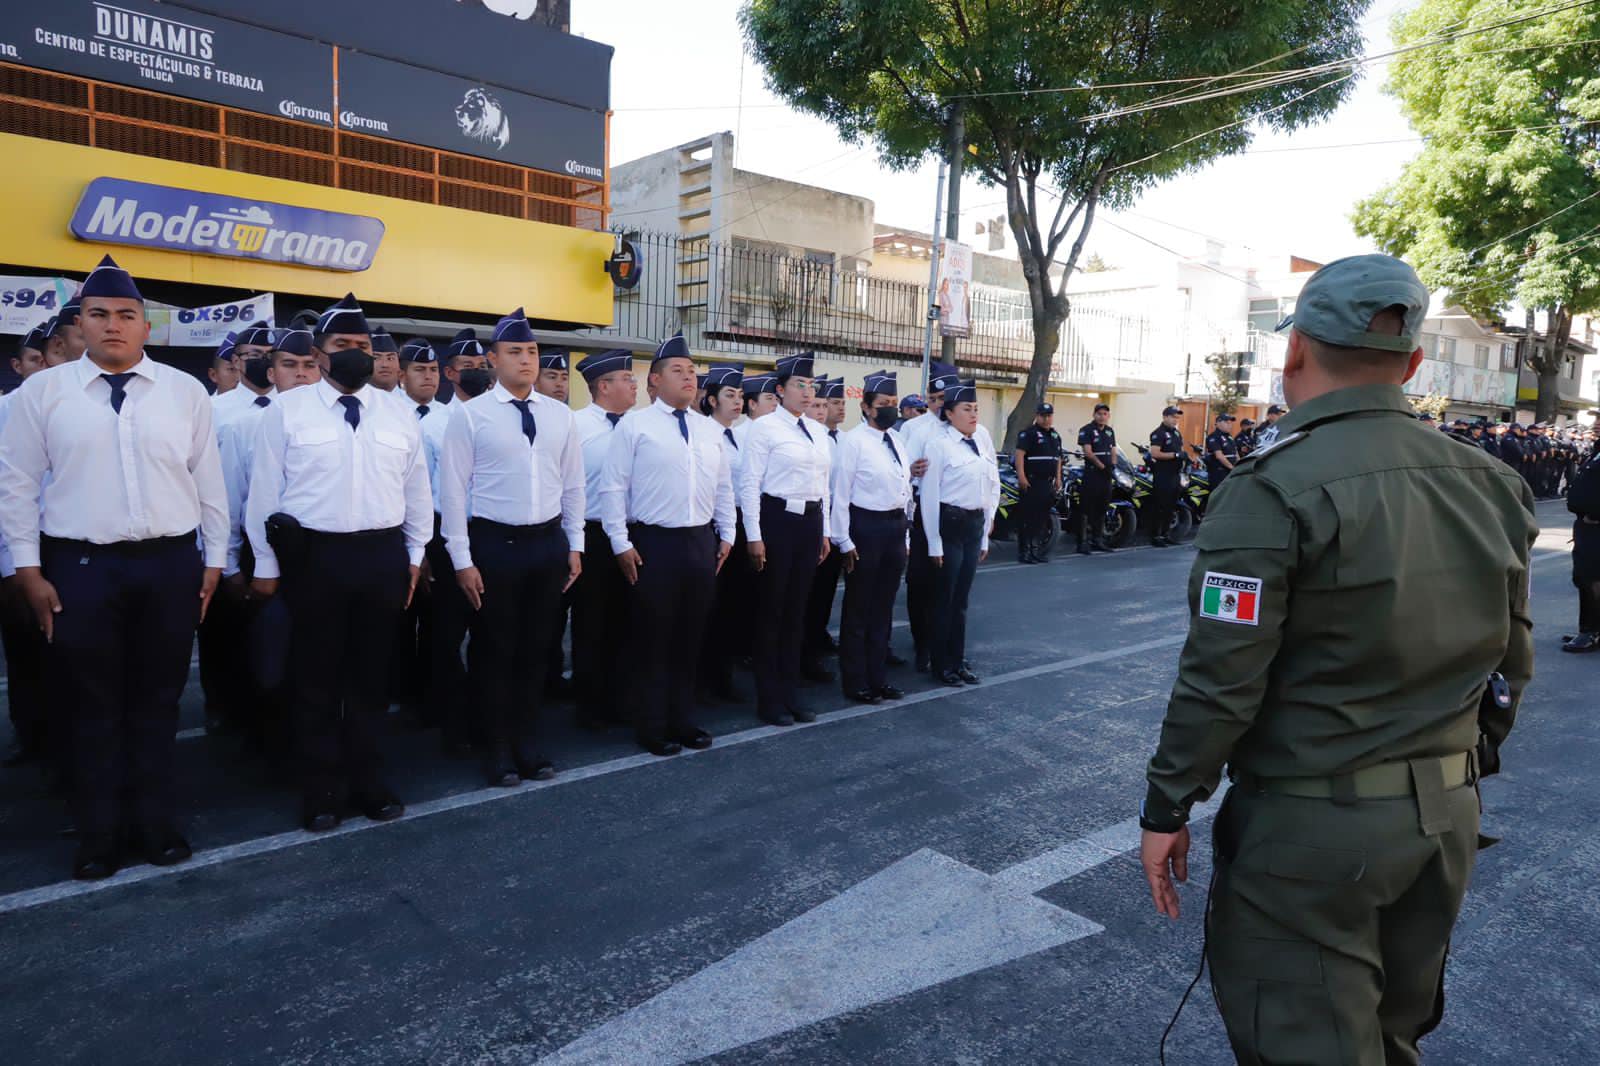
870	398
1101	407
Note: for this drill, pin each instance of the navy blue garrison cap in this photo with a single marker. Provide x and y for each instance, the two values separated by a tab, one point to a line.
418	350
294	342
553	359
674	347
882	383
345	316
383	342
961	392
464	342
513	329
597	364
724	375
799	365
110	281
756	384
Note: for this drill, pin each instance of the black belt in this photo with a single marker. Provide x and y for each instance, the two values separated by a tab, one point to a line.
867	512
153	546
812	506
703	527
959	512
500	529
360	534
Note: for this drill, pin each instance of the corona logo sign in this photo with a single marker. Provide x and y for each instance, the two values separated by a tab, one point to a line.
114	211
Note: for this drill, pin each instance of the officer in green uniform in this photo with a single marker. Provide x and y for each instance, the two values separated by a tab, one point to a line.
1356	584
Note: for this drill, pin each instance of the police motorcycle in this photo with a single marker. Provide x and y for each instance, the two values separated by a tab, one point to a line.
1199	488
1185	517
1121	520
1009	514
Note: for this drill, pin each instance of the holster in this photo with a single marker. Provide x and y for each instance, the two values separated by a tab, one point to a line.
287	538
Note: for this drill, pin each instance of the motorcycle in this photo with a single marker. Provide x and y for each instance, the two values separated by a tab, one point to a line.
1009	513
1199	490
1121	520
1185	518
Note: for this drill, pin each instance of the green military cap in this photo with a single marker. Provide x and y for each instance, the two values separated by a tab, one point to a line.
1343	298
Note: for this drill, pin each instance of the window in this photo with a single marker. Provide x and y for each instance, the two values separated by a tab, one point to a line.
1430	346
853	283
1265	315
1447	349
1572	368
1480	356
755	265
1508	357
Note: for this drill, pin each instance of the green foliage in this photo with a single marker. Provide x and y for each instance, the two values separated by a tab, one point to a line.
1473	211
1431	404
886	72
1225	391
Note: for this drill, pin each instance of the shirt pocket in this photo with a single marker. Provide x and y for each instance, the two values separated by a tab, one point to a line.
391	451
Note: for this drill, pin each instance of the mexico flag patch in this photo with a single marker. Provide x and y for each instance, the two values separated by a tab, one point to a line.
1231	598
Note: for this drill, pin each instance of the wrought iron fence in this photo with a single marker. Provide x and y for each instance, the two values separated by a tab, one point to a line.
754	298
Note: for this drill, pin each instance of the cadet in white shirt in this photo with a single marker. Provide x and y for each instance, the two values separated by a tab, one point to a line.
920	574
871	498
727	630
555	381
19	633
107	467
784	493
224	373
960	493
815	641
338	507
512	462
666	498
253	343
411	673
600	605
386	364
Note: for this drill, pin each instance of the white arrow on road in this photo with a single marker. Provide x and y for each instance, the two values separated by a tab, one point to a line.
923	921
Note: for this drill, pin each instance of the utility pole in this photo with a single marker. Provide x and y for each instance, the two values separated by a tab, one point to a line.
933	282
956	150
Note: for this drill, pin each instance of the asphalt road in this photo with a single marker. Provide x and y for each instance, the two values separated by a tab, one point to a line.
945	880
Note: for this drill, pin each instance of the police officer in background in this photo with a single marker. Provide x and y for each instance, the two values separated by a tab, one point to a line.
599	605
817	642
1038	463
666	495
785	507
1099	443
1354	739
108	466
1245	440
1166	468
871	499
1267	432
338	510
511	487
1221	451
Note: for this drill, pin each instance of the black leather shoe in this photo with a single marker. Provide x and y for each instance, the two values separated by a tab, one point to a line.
166	847
535	768
698	739
97	859
865	695
1102	546
660	746
380	805
501	776
815	671
1583	642
777	717
889	692
1160	542
803	714
1084	549
951	678
895	660
966	674
321	821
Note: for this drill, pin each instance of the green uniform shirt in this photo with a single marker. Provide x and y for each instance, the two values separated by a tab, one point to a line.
1356	583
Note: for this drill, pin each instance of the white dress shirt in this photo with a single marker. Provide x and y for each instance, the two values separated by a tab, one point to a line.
960	477
236	440
8	565
489	470
868	476
780	461
231	404
309	463
729	435
595	430
71	467
432	426
653	476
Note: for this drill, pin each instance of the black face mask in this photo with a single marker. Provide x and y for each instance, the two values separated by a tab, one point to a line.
350	367
474	382
885	417
255	372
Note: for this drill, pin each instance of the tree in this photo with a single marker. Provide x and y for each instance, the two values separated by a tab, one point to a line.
1042	85
1502	205
1225	391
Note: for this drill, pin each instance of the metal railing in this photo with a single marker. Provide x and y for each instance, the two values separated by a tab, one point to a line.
731	297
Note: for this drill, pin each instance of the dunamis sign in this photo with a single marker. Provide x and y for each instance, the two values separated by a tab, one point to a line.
115	211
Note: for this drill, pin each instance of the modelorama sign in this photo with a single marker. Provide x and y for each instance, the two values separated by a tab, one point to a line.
115	211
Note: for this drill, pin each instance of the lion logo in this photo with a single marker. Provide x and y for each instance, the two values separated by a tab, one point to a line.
481	117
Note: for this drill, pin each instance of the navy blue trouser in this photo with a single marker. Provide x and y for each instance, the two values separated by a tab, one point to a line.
345	599
121	658
921	586
523	570
962	533
793	542
447	700
668	609
869	591
599	629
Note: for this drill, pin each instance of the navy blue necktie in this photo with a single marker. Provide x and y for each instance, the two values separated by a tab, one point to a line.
731	438
352	411
683	423
262	401
422	411
801	422
529	428
834	434
888	442
615	418
969	442
119	389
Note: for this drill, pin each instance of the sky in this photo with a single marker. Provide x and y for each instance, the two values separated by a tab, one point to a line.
675	78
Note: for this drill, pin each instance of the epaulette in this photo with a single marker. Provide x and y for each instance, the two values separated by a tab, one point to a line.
1276	446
